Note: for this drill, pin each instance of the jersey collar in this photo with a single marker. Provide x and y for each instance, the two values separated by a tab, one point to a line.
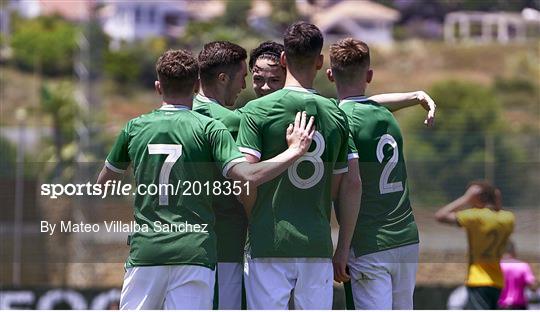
172	107
300	89
358	99
205	99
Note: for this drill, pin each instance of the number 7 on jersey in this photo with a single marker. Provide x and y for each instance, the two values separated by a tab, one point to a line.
173	152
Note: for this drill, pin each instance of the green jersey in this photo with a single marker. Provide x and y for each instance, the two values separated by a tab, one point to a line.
231	220
211	108
385	220
173	146
291	216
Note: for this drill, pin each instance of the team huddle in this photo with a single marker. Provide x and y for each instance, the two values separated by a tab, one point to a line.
302	154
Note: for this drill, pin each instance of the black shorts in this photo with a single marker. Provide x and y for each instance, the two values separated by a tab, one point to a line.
482	298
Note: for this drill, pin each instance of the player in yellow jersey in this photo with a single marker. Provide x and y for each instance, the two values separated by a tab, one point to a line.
479	212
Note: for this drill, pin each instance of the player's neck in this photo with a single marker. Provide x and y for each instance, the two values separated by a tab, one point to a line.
213	94
183	101
300	80
350	91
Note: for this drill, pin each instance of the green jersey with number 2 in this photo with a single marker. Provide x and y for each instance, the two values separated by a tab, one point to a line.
291	216
174	145
385	220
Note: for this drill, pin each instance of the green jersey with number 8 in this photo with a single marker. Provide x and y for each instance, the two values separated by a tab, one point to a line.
176	146
291	216
385	220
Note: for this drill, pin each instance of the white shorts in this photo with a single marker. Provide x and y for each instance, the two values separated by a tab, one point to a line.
384	280
170	287
229	285
270	281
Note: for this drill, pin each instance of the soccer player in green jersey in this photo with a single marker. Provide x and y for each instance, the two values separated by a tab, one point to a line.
172	258
290	245
269	76
222	73
384	250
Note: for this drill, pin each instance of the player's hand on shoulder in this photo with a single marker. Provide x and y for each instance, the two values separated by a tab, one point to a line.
300	134
429	105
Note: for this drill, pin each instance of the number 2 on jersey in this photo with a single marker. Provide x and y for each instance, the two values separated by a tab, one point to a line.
173	152
313	157
384	186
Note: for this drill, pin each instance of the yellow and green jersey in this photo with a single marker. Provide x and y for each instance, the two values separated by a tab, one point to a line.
487	232
169	145
386	219
291	216
231	220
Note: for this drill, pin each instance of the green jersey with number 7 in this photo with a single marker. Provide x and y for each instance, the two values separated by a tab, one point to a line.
291	216
385	220
173	146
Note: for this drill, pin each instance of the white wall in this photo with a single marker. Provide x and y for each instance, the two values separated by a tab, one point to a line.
26	8
133	21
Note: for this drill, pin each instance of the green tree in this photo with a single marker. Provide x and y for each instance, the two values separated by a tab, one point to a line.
470	141
59	106
236	13
519	88
8	154
123	66
98	42
77	144
46	44
284	12
134	64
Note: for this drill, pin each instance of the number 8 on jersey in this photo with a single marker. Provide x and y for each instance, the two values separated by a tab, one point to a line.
313	157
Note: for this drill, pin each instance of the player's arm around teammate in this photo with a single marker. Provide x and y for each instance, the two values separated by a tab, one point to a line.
397	101
136	289
178	274
299	136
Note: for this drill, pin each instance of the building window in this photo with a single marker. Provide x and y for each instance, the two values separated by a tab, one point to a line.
138	14
152	15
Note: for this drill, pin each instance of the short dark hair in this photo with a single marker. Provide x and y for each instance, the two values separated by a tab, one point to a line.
177	72
268	50
347	56
217	57
303	43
